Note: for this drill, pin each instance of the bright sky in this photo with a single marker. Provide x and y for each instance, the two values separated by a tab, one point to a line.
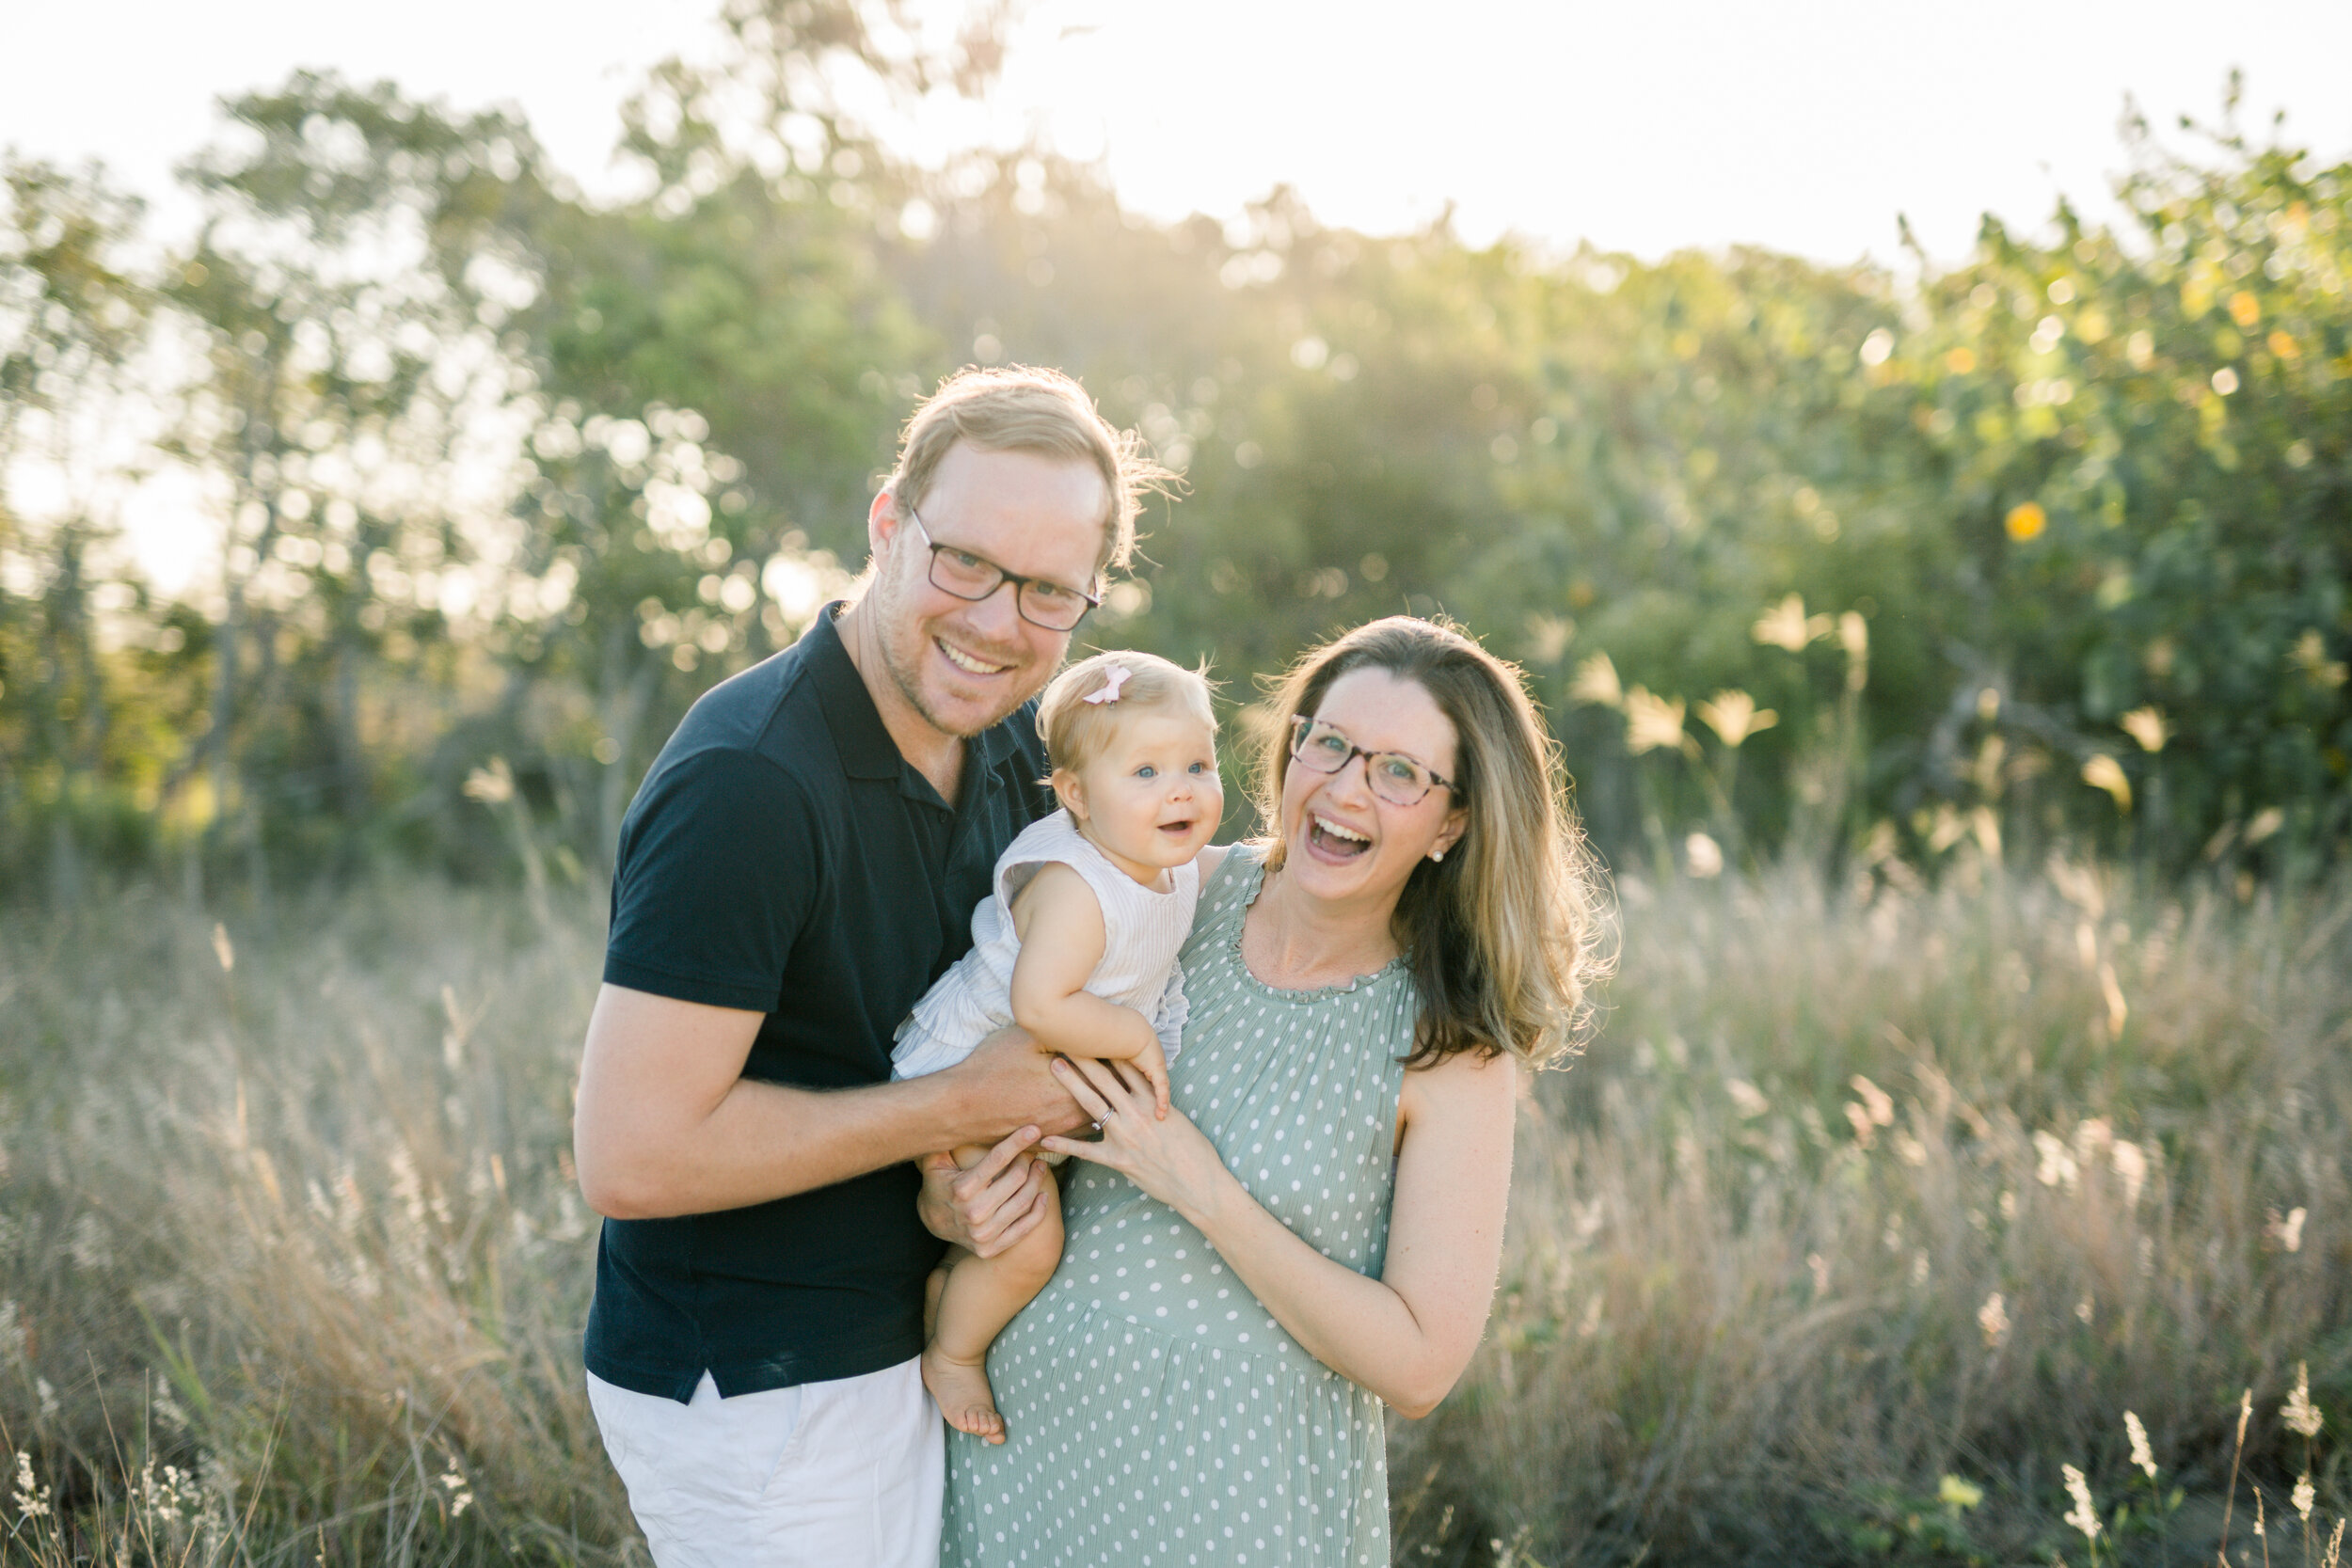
1804	125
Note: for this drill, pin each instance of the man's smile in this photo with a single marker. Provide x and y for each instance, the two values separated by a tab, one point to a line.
971	664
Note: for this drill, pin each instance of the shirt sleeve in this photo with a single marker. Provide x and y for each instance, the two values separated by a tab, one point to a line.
1168	1024
718	871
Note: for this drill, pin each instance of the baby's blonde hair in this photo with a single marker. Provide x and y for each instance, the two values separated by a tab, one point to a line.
1075	730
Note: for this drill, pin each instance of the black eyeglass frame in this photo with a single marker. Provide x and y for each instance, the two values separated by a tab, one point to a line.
1093	601
1302	724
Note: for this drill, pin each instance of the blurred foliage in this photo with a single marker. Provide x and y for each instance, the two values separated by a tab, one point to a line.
1866	566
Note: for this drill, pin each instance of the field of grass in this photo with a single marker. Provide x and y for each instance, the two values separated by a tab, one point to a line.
1865	1215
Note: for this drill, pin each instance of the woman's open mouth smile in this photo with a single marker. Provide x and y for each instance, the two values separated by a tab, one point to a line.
1333	839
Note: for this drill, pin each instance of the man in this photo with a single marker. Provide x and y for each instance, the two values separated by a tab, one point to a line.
801	863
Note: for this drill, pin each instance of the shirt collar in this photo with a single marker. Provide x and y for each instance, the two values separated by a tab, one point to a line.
858	731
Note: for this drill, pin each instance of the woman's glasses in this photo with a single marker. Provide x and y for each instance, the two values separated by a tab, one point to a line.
1043	604
1399	780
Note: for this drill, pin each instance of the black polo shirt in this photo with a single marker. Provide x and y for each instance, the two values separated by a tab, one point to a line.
782	856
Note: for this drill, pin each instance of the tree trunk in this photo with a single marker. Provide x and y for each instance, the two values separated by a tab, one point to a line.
627	692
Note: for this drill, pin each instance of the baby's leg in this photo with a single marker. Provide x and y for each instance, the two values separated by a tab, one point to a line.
978	1299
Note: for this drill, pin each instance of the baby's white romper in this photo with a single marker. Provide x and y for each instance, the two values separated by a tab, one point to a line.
1142	931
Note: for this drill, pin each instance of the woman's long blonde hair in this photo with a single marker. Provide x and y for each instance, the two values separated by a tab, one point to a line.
1507	936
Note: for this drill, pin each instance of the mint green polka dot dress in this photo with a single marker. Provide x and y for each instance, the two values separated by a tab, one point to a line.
1157	1413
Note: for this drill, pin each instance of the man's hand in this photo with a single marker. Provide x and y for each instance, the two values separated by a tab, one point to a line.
988	1208
1007	1083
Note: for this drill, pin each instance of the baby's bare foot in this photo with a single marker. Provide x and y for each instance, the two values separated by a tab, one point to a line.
961	1388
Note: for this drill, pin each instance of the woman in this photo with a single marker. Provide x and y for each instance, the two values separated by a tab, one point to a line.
1315	1228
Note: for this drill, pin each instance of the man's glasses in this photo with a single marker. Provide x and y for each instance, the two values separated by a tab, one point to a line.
1046	604
1399	780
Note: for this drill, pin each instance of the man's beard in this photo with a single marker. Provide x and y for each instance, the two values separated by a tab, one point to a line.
903	666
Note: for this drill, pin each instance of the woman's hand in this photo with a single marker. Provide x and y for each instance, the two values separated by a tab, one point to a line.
1171	1160
1406	1335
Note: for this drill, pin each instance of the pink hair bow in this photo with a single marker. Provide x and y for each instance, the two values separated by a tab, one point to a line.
1114	676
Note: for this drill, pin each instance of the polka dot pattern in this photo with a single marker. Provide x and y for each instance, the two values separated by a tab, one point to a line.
1157	1413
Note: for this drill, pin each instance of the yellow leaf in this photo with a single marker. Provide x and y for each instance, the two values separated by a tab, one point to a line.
2198	289
493	785
1785	625
1652	723
2103	772
2311	656
1596	682
2026	521
2147	727
1734	716
1853	634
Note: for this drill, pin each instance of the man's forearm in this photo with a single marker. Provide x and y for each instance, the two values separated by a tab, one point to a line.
666	1124
765	1141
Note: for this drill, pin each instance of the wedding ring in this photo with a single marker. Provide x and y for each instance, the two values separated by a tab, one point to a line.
1098	1127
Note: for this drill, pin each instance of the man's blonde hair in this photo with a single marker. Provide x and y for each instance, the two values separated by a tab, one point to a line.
1075	730
1019	408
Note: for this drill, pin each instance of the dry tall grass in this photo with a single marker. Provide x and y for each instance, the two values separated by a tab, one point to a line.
1852	1196
292	1212
1849	1197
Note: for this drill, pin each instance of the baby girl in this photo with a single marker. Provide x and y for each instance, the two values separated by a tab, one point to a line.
1077	945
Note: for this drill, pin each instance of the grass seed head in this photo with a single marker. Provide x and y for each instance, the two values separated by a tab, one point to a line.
2084	1516
1993	1318
32	1502
2301	1417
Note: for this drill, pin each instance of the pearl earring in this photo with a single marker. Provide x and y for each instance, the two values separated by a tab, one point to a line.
1437	854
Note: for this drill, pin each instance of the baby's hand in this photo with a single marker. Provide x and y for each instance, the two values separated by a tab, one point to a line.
1151	1061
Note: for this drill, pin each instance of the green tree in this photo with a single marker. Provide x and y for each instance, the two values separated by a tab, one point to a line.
72	318
2145	439
351	292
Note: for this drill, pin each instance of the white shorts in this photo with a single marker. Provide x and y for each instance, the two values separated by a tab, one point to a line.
848	1471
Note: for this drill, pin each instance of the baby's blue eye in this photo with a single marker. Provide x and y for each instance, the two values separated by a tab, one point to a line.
1146	772
1200	767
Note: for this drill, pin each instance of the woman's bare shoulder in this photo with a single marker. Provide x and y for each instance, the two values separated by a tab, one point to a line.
1466	1089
